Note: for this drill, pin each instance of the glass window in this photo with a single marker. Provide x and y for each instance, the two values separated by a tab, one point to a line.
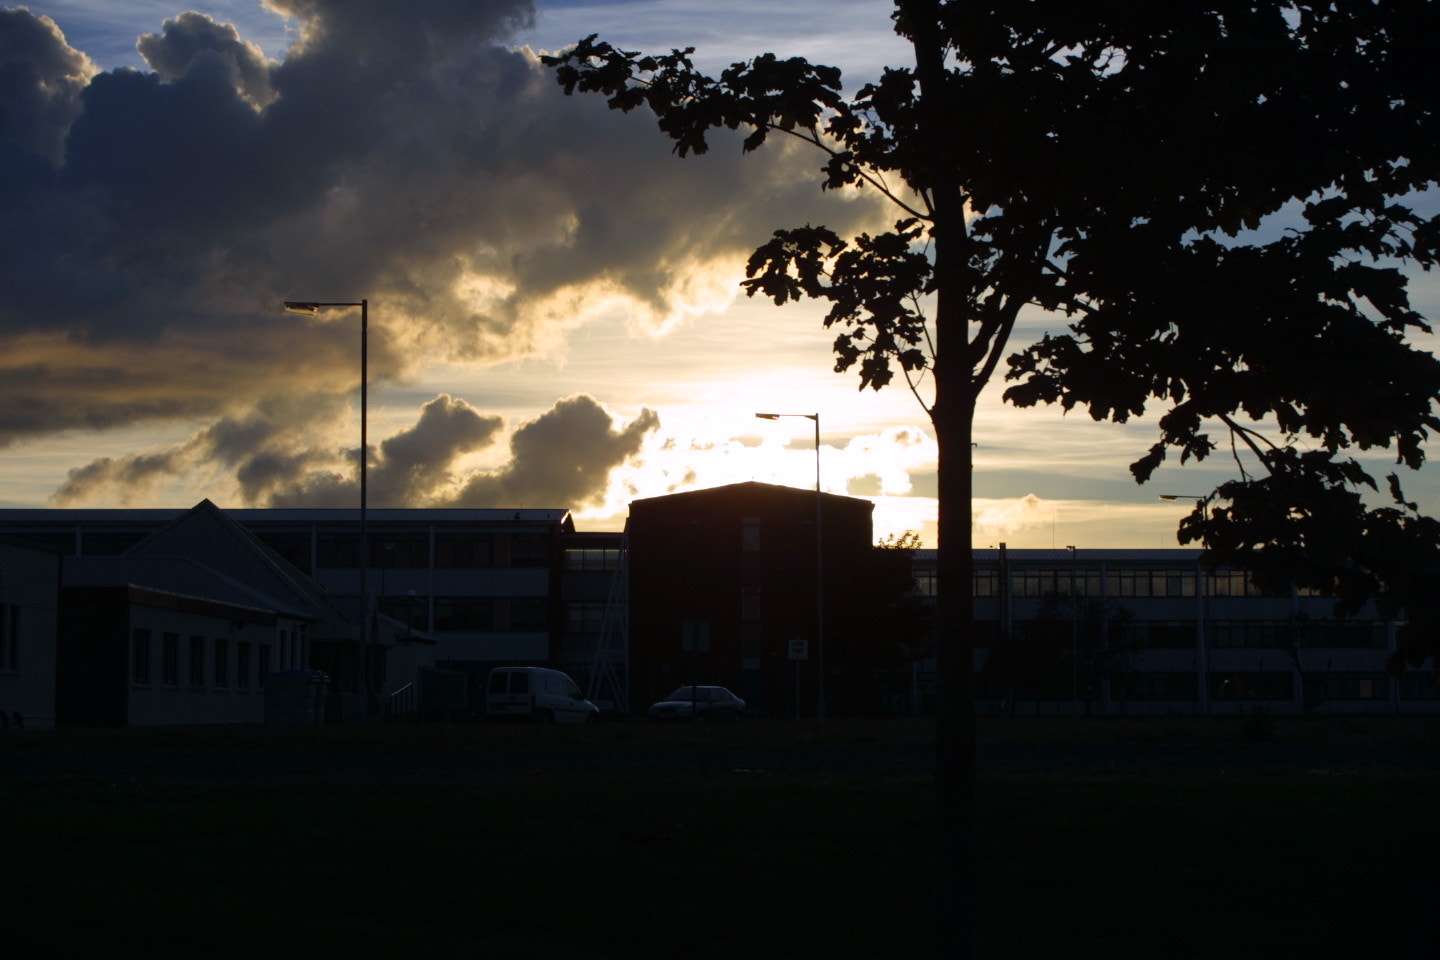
9	637
529	550
197	661
529	613
337	550
592	559
140	656
242	664
750	534
464	613
170	659
400	549
584	616
464	549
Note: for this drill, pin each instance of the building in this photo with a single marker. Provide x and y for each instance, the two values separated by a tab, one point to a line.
456	591
724	588
171	616
29	601
1156	631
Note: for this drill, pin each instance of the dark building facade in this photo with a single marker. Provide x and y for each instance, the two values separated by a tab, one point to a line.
723	583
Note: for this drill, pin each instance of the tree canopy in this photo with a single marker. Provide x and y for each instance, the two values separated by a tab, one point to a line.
1214	201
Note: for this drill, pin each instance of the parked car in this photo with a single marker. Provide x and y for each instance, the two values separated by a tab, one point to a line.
536	693
702	703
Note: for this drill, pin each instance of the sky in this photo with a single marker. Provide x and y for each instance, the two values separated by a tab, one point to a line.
555	317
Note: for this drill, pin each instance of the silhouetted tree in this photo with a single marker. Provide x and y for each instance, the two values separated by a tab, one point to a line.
1121	166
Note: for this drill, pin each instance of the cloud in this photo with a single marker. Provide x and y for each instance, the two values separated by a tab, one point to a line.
564	458
152	222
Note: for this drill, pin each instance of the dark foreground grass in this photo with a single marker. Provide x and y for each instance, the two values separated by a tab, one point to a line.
722	865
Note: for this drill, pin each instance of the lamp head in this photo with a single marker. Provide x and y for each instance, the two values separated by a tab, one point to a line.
302	306
768	416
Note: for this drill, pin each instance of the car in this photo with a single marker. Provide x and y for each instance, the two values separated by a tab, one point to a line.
699	702
536	693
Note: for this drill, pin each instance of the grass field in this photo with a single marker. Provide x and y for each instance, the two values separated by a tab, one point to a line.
726	864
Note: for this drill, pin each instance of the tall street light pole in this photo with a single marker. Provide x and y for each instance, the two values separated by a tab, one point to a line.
312	308
819	564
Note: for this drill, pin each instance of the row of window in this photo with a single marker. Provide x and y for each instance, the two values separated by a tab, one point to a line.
1271	685
410	549
1109	583
197	661
1269	634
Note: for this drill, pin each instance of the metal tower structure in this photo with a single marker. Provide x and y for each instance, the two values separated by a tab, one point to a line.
610	670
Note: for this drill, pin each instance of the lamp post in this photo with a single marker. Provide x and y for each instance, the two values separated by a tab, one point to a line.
819	564
312	308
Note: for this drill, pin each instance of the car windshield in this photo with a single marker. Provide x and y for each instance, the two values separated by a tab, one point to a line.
685	693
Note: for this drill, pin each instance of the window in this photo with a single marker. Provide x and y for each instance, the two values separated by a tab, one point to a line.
1176	685
529	613
1347	686
584	616
1419	685
1150	583
1267	685
925	583
293	546
591	559
9	638
222	662
464	613
1234	583
337	550
750	603
529	550
140	656
1144	634
987	583
410	610
400	550
242	664
750	534
170	659
463	549
1274	634
197	661
1040	583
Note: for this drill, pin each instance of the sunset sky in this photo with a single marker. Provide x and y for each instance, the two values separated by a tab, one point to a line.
555	317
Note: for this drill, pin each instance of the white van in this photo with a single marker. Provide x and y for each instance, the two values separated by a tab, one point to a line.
536	693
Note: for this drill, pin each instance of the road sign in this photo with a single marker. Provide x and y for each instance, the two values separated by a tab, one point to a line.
799	649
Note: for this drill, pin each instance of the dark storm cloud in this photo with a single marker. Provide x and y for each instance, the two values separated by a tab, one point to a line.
564	458
151	223
41	80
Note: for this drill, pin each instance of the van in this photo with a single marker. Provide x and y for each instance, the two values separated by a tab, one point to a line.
536	693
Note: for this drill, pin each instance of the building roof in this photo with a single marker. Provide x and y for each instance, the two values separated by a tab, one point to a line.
297	516
752	488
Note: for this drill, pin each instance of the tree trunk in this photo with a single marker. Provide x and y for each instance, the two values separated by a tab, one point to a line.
953	416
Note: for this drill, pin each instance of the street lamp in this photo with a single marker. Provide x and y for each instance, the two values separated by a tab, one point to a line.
819	564
312	308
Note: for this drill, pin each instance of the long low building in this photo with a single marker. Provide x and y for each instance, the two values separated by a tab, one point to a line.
717	586
1156	631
